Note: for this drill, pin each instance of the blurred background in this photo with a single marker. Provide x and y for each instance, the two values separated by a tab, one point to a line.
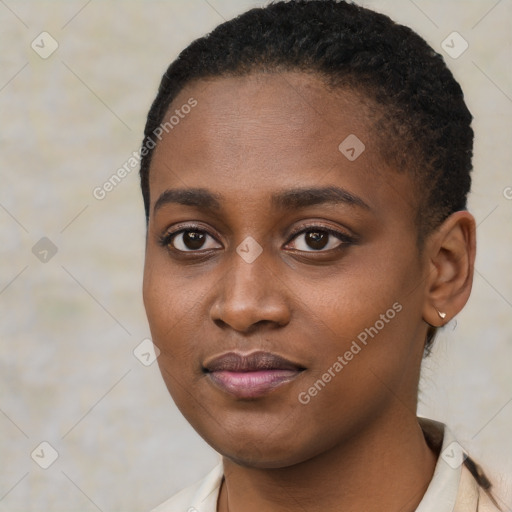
85	420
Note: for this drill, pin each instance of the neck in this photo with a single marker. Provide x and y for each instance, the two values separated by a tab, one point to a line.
384	467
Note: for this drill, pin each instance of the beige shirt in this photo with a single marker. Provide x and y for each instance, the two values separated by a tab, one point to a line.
452	488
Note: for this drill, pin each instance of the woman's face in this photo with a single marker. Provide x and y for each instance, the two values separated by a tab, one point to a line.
288	244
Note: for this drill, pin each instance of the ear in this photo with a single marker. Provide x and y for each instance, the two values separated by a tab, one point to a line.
451	259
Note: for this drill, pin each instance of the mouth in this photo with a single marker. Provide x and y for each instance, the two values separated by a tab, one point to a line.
251	375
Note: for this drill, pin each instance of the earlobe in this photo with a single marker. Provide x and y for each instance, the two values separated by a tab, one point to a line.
451	255
440	321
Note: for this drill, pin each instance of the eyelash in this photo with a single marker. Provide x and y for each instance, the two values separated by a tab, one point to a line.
166	239
342	237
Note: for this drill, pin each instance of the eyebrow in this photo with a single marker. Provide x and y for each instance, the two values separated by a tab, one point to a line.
288	200
303	197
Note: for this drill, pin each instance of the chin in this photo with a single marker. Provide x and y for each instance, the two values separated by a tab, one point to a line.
258	460
255	450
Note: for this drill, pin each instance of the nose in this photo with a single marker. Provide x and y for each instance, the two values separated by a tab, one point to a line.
249	296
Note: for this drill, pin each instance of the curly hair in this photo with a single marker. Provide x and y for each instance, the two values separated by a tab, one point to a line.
421	124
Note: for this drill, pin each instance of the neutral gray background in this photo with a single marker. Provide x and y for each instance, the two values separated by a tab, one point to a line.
68	326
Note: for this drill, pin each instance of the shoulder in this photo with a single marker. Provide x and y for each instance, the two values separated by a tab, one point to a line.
459	483
199	497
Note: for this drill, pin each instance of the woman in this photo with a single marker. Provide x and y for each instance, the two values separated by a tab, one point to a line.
305	172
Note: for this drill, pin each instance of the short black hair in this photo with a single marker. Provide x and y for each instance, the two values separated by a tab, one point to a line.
422	125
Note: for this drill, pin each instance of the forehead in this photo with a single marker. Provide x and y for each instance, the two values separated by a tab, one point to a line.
265	131
281	111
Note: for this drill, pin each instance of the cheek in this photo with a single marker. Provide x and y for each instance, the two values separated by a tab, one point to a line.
173	315
345	301
367	341
352	382
172	307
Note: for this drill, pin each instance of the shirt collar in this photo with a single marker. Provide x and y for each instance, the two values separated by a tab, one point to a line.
441	494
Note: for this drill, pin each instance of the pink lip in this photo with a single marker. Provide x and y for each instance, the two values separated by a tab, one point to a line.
251	375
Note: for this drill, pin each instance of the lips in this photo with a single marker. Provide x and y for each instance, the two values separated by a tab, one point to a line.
250	375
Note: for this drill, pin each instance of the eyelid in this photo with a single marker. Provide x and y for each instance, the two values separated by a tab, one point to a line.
344	238
168	236
311	227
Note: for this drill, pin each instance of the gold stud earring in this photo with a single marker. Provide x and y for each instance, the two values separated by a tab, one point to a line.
441	314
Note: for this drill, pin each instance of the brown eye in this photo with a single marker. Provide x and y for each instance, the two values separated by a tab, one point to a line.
316	239
190	240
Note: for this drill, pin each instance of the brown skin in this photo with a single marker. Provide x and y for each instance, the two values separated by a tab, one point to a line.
357	444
